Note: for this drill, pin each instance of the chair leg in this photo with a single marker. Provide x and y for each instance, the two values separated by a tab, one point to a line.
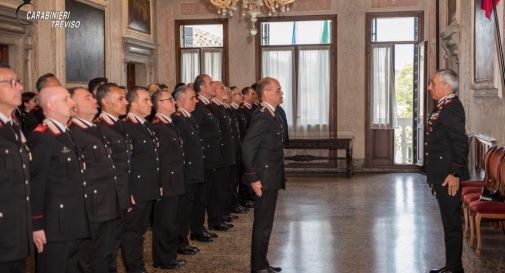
472	229
478	219
465	227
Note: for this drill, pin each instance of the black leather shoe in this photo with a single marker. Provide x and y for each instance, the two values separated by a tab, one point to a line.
240	210
234	217
275	268
173	264
227	219
186	251
200	238
249	204
229	225
440	270
194	248
220	227
210	234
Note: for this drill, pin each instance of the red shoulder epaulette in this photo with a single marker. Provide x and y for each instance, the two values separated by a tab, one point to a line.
41	128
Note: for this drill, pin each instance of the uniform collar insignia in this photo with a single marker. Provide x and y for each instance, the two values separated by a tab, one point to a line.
52	127
65	150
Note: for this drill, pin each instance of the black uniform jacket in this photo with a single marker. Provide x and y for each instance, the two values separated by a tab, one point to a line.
15	210
262	150
100	171
192	145
171	156
119	143
57	184
210	135
447	142
144	173
227	137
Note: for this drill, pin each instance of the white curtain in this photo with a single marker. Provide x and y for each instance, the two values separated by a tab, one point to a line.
278	64
382	103
190	65
313	99
212	64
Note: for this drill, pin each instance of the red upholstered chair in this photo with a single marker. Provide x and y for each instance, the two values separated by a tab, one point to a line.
480	210
470	190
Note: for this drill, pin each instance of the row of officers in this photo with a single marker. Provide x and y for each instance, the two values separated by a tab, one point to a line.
84	184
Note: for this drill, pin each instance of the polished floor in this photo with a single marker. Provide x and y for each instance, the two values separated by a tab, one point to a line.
381	223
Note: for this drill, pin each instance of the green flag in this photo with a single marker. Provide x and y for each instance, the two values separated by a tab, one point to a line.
325	35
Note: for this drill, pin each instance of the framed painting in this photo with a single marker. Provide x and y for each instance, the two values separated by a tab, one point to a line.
139	15
85	46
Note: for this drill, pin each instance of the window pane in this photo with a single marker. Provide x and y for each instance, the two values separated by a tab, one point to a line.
296	33
190	65
212	64
394	29
278	64
202	35
313	92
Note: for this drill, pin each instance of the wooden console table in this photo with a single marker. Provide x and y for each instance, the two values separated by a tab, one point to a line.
331	144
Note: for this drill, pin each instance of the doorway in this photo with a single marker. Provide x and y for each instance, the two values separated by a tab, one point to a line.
4	54
395	56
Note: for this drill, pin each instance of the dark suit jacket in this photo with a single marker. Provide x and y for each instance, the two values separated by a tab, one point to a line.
15	211
210	135
100	172
144	174
57	185
119	143
192	145
227	137
262	150
447	142
284	120
171	157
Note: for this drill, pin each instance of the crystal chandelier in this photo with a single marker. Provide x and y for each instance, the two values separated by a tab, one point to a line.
251	8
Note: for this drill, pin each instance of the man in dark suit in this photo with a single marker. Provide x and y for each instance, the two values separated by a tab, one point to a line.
172	181
224	189
446	160
113	103
187	129
213	161
100	180
15	210
263	159
144	178
58	188
246	195
35	116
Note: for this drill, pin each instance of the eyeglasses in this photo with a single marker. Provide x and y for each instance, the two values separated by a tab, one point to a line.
13	83
170	99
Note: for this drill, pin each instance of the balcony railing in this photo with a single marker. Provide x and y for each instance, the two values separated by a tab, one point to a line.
404	148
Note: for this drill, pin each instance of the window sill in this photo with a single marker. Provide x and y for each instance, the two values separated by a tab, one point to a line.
485	90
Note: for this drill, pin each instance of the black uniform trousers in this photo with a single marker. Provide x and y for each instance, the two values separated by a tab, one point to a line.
119	230
264	212
236	177
199	205
132	245
18	266
62	257
216	181
184	215
450	208
96	250
165	229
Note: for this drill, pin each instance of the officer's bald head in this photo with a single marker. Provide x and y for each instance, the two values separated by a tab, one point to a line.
56	103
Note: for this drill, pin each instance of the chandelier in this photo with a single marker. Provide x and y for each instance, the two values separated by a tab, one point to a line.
251	8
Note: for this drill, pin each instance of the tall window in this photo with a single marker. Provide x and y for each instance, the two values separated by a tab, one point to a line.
298	53
201	49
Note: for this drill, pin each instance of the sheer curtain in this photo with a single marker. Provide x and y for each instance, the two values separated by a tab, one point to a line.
278	63
212	64
190	65
382	103
313	100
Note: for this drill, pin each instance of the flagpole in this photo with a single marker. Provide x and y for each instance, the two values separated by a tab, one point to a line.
499	44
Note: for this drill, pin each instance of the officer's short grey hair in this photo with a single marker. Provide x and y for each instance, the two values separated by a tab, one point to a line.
449	77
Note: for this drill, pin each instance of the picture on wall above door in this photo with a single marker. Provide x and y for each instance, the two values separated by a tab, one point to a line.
139	15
